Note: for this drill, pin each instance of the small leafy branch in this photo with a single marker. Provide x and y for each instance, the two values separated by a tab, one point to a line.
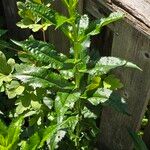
59	96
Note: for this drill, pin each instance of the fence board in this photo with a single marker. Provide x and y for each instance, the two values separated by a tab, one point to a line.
11	17
134	47
131	41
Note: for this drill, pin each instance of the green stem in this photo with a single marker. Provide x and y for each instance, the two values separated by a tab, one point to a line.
72	12
78	125
44	36
77	83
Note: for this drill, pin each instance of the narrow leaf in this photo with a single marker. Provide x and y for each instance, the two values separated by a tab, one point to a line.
138	142
105	64
43	52
41	77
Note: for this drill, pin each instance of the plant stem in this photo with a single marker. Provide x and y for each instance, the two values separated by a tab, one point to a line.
77	83
44	36
72	13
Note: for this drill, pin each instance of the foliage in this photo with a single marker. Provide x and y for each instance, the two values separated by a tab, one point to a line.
60	97
9	136
138	142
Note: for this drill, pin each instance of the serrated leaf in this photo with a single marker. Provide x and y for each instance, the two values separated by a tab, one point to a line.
48	14
48	133
43	53
34	27
105	64
27	14
39	77
14	131
65	101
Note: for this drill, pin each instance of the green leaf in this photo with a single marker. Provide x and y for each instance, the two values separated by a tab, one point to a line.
14	89
71	4
36	105
48	102
5	68
39	77
111	82
48	133
14	131
65	101
43	53
47	14
24	23
138	142
20	109
2	142
32	143
118	103
105	64
95	27
88	114
3	128
2	32
70	123
100	96
95	83
106	97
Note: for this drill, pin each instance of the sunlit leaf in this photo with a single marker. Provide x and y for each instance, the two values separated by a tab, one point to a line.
105	64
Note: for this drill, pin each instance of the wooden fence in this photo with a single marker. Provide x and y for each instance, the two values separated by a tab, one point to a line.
128	39
131	41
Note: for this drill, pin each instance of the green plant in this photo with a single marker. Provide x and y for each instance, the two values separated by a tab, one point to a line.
60	96
138	142
9	136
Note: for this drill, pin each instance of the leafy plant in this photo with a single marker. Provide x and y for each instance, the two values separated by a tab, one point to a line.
60	96
9	136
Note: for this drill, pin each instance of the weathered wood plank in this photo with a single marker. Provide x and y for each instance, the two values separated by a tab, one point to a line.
129	44
146	136
140	9
104	7
10	10
131	41
55	36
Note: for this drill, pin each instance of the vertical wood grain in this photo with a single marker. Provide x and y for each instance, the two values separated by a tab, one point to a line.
11	17
131	45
